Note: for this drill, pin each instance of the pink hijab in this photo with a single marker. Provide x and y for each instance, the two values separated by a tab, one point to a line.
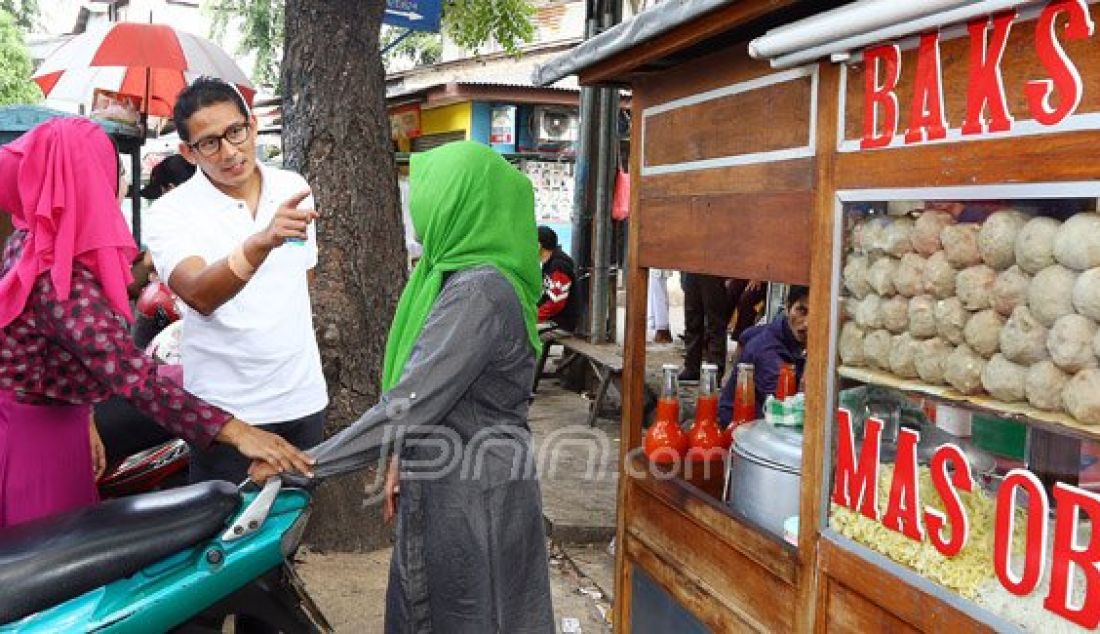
59	183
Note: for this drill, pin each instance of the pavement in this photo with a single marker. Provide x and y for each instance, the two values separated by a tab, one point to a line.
578	468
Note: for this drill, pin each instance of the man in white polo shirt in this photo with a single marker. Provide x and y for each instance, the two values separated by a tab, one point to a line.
237	244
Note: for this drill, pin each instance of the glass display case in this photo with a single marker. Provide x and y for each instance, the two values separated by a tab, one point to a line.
967	394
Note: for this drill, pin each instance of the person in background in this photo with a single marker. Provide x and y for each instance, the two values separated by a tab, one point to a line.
234	245
657	306
782	340
412	246
558	304
470	551
706	316
64	343
748	298
170	173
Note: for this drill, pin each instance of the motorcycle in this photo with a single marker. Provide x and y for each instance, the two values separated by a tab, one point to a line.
141	455
184	558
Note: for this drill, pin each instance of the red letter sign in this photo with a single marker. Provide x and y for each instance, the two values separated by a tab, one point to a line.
854	487
947	486
875	95
1035	544
903	510
926	119
986	86
1065	79
1067	556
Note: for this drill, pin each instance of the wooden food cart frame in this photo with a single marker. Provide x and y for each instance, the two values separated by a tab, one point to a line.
740	170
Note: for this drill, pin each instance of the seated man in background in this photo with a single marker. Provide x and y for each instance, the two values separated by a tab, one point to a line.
766	347
558	305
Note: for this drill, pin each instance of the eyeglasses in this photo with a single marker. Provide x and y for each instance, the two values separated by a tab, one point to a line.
209	146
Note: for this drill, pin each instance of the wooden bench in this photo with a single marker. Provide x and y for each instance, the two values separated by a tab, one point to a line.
604	359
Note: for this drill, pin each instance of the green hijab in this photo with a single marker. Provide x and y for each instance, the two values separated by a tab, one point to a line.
469	208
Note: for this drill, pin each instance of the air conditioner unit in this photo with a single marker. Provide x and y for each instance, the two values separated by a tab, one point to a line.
554	126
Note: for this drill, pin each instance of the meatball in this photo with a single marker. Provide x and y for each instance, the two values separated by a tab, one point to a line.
951	318
983	332
909	275
1070	343
869	312
903	352
1004	379
1043	385
925	236
895	236
1077	242
851	344
1035	244
870	234
960	244
1081	396
895	314
922	317
939	276
997	238
1009	290
881	275
930	359
876	349
963	370
1050	294
855	275
1086	294
974	286
1023	339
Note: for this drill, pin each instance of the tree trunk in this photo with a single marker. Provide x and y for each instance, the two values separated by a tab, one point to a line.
336	133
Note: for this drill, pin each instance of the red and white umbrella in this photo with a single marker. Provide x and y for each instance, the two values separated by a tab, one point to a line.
138	60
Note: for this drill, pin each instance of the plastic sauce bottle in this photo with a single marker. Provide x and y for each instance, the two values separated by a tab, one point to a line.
665	442
705	438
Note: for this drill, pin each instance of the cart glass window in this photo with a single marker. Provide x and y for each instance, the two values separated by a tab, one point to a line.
733	430
964	446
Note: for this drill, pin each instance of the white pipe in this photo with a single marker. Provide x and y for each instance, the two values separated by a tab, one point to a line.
853	19
822	43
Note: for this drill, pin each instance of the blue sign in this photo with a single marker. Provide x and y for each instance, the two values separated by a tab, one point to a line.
418	15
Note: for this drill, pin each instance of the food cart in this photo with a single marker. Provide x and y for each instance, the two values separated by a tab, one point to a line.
932	171
17	119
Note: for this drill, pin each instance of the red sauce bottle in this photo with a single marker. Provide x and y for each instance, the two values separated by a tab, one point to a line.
665	442
705	438
744	401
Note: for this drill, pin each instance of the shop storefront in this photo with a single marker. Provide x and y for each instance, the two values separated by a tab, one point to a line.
932	173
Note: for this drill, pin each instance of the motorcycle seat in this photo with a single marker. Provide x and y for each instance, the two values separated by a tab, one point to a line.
50	560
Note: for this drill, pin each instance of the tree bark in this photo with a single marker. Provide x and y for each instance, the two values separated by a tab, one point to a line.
336	133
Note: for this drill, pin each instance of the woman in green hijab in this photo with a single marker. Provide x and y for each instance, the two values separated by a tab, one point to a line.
470	554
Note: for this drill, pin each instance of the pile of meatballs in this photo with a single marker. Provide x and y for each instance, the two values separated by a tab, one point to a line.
1008	307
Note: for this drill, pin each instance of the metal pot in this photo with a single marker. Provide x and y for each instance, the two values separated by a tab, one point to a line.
765	474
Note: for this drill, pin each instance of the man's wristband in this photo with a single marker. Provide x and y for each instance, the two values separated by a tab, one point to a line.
239	264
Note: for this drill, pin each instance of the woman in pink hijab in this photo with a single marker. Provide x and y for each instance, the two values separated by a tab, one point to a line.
64	341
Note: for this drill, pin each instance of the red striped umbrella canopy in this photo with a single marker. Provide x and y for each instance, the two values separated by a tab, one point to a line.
136	59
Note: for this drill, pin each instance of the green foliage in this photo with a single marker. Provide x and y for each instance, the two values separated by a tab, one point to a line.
25	12
261	23
471	23
15	65
419	47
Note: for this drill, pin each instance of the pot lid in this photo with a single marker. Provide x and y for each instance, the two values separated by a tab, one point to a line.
768	443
